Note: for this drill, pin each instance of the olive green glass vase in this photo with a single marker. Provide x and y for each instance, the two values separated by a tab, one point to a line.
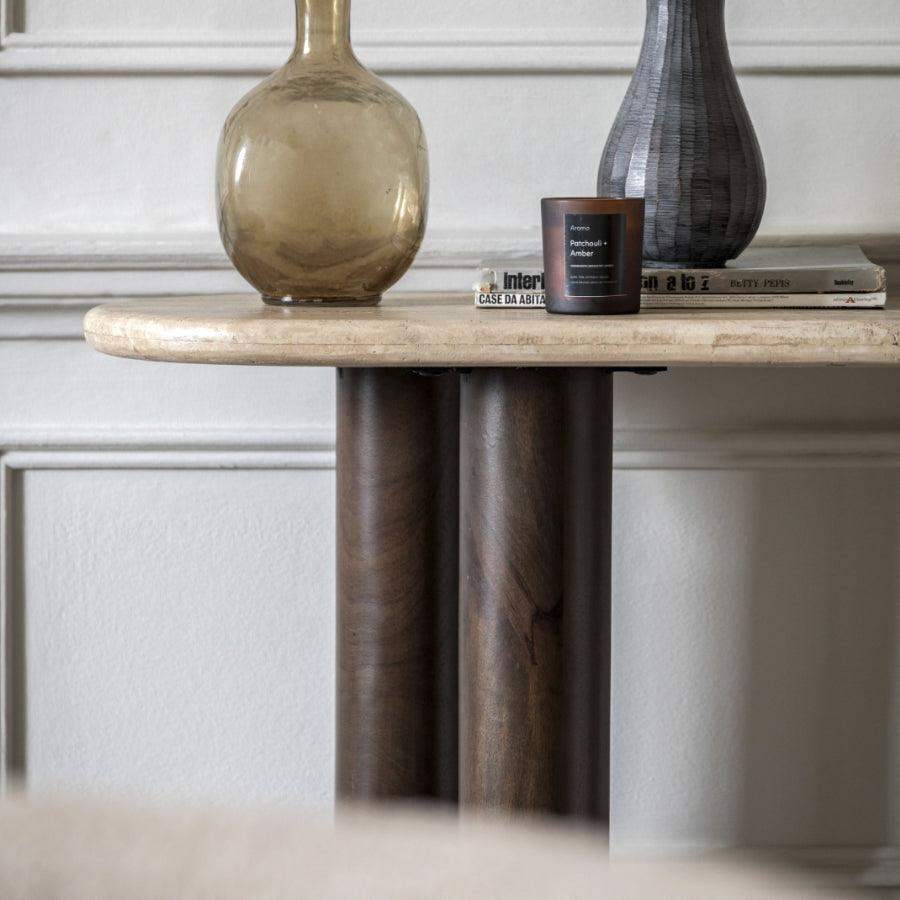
322	173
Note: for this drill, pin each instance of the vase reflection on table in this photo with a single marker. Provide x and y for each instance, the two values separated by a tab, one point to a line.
322	173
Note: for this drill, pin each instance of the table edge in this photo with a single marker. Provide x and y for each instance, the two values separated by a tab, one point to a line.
504	356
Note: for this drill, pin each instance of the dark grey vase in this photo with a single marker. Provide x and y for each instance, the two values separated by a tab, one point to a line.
683	140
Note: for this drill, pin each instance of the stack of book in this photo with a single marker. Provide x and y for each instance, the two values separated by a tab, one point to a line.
761	278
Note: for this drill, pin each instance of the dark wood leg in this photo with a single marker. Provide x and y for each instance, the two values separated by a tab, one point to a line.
397	536
535	469
587	564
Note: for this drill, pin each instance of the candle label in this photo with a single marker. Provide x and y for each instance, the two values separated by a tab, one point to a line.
594	246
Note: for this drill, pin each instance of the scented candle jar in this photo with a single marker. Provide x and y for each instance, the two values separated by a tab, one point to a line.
592	254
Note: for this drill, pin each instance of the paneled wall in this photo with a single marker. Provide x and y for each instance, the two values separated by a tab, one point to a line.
167	531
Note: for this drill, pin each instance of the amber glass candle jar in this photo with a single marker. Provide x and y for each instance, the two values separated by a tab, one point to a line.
592	254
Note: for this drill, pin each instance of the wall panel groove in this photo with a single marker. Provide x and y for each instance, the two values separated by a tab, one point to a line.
420	51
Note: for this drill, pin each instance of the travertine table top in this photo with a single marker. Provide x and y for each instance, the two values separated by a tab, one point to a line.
433	330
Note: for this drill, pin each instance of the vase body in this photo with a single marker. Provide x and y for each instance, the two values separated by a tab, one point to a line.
684	141
322	173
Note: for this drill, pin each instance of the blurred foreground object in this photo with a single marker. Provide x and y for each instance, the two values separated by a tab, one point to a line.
92	850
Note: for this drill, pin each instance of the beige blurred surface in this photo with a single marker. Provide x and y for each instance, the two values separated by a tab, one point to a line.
92	850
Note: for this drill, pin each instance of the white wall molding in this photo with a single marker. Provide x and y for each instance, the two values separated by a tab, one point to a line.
47	281
50	267
202	250
313	448
6	588
739	450
424	51
176	451
318	443
100	458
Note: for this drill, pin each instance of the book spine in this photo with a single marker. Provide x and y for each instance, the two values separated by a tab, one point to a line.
872	300
535	300
527	279
842	280
499	299
782	281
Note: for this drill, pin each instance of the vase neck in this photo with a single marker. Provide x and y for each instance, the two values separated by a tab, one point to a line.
323	30
707	16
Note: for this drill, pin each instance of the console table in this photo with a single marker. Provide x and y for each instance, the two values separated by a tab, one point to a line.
474	466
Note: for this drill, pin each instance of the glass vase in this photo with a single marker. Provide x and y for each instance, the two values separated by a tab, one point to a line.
322	173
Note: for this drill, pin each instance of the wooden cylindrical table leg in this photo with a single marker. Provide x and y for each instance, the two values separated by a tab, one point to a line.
586	592
397	536
535	474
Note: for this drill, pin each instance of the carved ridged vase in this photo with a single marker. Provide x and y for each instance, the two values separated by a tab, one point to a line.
322	173
684	141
